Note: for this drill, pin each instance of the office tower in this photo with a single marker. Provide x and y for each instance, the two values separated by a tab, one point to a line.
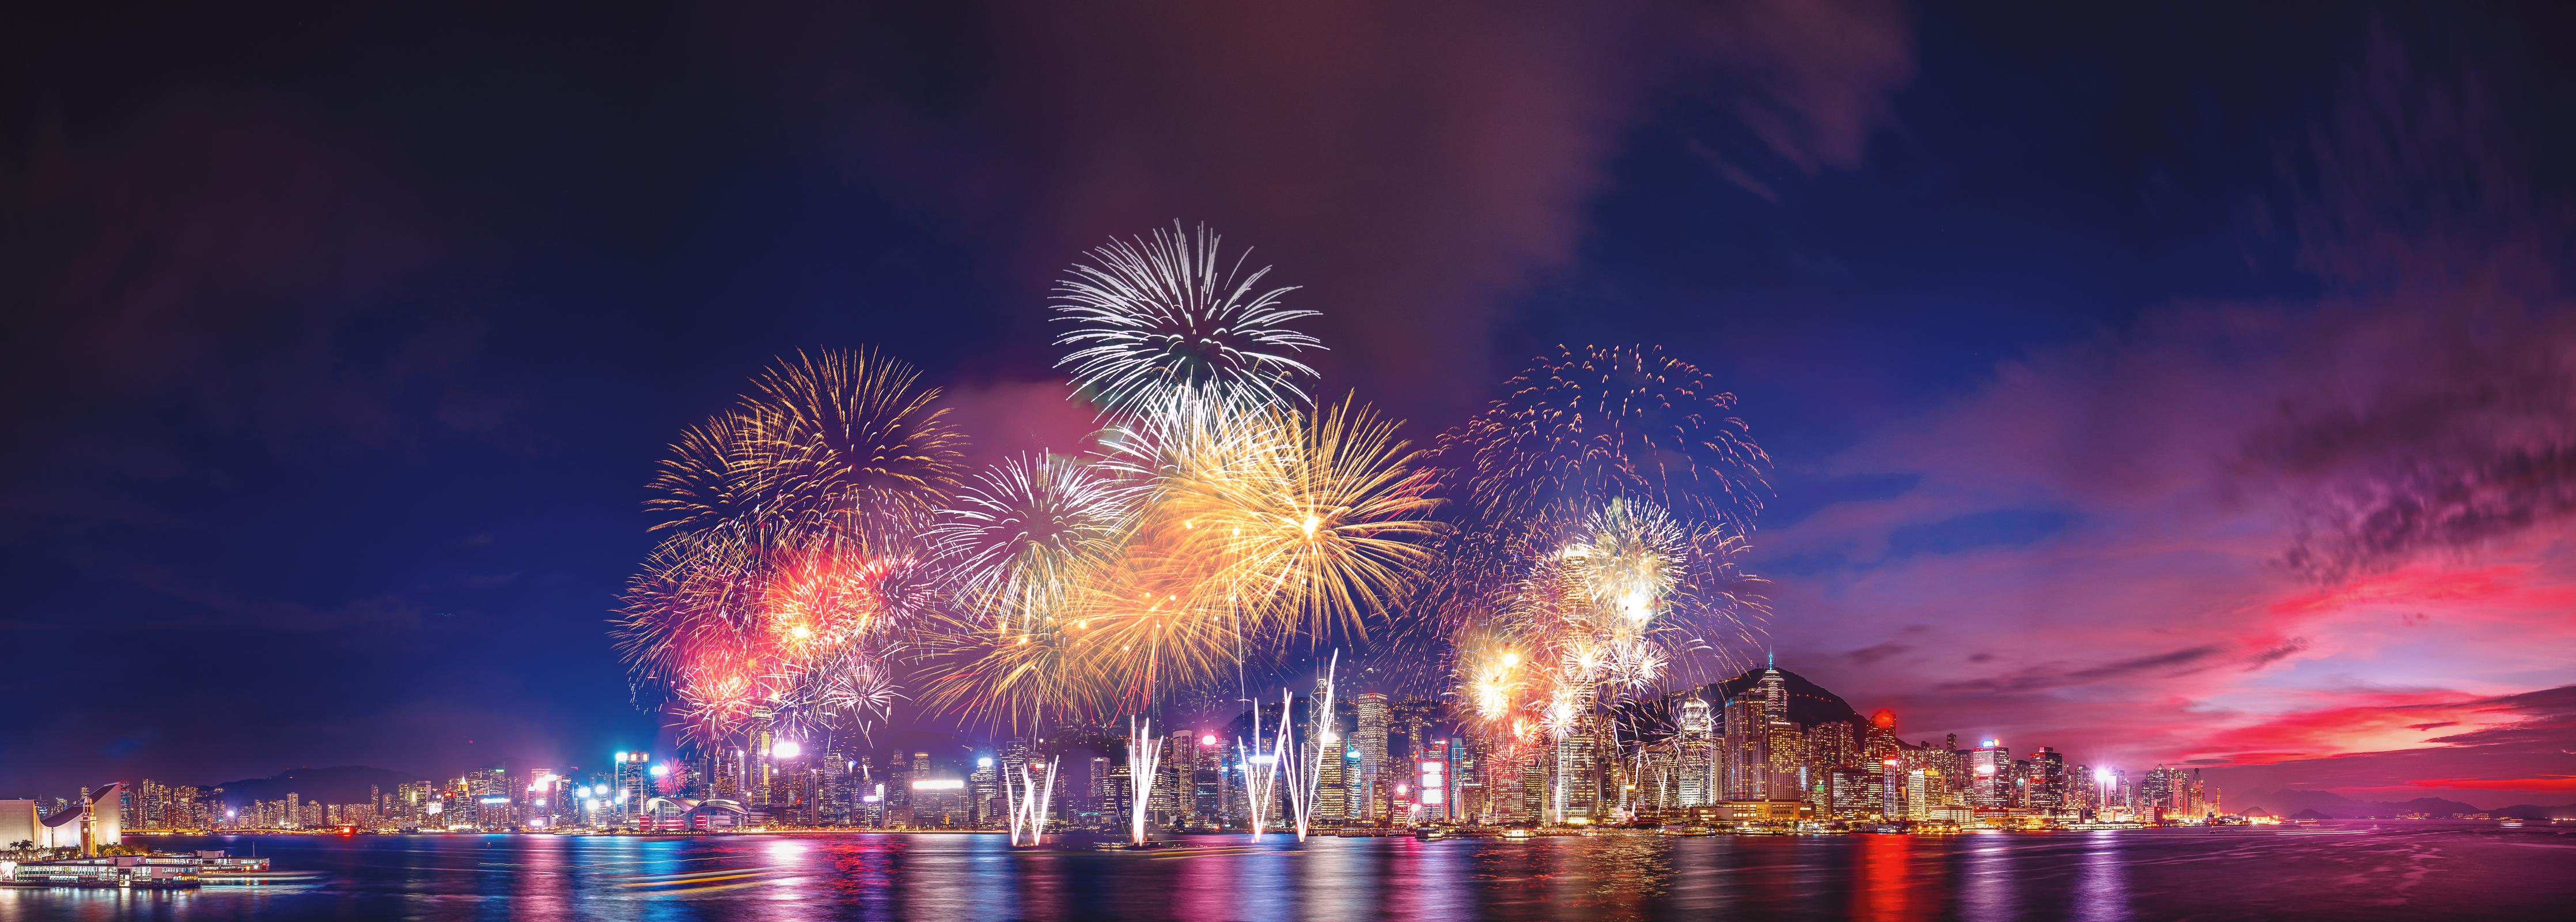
1467	777
1333	780
1833	744
1990	775
1175	789
1435	770
1695	764
1745	745
1774	691
1375	786
1892	789
1922	789
1575	786
1785	754
2049	788
759	770
984	789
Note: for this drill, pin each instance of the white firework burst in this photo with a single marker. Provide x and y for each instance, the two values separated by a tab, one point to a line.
1017	535
1163	320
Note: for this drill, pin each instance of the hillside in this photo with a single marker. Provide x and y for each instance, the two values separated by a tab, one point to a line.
340	784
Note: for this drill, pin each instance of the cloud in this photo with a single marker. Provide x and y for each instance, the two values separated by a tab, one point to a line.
226	609
2284	650
2264	515
1412	165
1872	654
2056	675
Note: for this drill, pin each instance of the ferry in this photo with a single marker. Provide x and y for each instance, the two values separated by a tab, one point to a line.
1430	833
144	872
1122	845
1517	834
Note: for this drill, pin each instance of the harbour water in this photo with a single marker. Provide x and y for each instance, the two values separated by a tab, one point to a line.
2339	870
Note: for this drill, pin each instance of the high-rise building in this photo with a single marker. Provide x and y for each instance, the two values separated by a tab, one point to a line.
983	787
759	773
1695	762
2048	789
1744	747
1785	755
1333	779
1892	789
1921	793
1375	782
1833	744
1990	775
1434	791
1574	785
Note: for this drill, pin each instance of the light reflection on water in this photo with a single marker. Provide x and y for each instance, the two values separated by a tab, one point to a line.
2486	872
2101	889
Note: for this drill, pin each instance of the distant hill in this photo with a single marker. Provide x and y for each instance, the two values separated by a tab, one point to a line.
1809	704
340	784
2331	805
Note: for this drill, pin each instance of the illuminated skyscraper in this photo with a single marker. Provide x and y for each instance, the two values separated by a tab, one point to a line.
1375	782
1744	748
1990	775
761	775
1333	786
984	793
1695	762
1892	784
2048	788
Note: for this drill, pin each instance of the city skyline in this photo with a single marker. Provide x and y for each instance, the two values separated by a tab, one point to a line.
1732	769
2088	402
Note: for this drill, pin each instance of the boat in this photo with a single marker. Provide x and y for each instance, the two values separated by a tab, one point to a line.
1516	834
1430	833
2511	824
1122	845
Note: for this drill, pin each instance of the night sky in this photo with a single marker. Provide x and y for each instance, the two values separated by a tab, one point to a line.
2193	385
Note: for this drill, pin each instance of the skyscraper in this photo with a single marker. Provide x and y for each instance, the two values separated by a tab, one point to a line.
1744	747
1989	775
2048	787
1370	739
1695	754
761	775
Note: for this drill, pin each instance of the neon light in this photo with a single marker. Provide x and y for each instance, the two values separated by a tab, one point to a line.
940	784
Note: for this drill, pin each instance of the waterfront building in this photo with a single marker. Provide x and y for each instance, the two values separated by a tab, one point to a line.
1695	762
1990	775
96	819
984	790
1892	789
1370	739
2048	788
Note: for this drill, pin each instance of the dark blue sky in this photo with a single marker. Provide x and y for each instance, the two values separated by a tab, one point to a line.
342	339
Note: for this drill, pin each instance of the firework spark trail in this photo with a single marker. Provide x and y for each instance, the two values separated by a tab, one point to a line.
1305	784
1162	320
792	572
1017	536
1143	758
1323	525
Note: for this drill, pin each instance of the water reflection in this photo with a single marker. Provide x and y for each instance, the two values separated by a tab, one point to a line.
2102	886
1987	883
2104	875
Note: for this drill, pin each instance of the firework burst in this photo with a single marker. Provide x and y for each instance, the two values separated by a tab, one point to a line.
1163	320
1018	536
850	432
793	571
1597	422
1320	523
